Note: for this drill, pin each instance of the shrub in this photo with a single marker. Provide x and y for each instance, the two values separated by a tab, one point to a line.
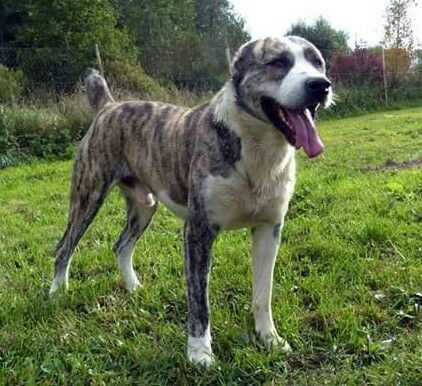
63	34
7	140
362	67
34	132
133	78
11	84
355	100
77	113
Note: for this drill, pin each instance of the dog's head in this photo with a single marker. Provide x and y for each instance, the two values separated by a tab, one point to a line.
283	81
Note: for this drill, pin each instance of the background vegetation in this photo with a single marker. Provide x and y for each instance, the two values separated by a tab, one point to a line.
166	50
173	51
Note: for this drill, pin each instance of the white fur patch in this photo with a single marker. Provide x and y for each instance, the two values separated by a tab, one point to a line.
199	349
291	93
126	268
58	281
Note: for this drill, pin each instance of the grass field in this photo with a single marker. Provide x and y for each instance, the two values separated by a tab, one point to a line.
348	282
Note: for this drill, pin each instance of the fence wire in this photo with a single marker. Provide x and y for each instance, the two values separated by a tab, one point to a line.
61	69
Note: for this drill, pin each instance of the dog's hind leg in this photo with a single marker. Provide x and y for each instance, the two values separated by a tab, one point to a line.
88	191
138	219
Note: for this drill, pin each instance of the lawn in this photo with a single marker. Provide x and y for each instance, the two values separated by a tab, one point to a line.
348	281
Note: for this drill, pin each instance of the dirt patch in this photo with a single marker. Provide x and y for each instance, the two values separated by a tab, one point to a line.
394	165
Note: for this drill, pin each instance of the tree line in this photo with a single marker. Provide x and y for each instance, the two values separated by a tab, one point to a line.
179	41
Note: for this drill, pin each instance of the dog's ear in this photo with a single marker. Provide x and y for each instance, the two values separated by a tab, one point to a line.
242	61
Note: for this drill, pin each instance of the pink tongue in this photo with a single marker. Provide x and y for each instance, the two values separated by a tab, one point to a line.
306	133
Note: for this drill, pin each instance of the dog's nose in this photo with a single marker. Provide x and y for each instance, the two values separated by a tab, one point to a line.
318	86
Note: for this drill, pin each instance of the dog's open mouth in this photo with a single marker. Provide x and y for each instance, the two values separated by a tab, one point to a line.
298	126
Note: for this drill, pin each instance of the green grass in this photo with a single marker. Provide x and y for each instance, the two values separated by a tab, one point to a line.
347	291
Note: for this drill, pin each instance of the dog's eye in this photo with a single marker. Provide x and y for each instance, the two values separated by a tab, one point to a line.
280	62
317	62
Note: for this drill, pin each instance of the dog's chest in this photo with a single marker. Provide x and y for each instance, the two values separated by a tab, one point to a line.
233	203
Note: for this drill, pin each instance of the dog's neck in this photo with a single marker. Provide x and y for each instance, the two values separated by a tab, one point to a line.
267	157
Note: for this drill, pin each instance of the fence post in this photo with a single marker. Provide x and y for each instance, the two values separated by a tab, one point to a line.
99	61
228	55
384	75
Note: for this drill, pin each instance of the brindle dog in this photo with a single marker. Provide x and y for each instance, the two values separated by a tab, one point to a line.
226	164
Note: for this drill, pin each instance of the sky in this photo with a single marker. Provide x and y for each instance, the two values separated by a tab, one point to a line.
361	19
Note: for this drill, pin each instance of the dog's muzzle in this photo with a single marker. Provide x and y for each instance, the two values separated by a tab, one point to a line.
317	89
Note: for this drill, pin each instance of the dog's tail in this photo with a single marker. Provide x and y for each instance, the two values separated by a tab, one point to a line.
97	89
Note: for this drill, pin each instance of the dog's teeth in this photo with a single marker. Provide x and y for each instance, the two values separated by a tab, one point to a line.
283	118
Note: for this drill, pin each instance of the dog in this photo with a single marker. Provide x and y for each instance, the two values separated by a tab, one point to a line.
226	164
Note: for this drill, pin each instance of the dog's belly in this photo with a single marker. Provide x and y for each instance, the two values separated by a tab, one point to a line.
232	204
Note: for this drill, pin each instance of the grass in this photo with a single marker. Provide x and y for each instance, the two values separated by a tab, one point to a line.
347	291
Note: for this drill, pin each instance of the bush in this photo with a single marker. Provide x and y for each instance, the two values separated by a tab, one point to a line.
357	100
133	78
63	34
7	140
361	67
11	84
39	133
77	113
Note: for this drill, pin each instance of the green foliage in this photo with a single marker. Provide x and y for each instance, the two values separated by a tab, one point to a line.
131	77
42	131
37	132
324	36
7	140
12	17
11	84
347	288
183	41
360	99
63	34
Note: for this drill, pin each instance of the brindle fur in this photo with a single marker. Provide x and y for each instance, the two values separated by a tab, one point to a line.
205	160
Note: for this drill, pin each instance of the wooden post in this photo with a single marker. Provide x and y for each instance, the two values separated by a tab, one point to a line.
99	61
384	75
228	56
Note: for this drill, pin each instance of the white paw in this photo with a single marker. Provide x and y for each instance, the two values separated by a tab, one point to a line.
133	285
199	350
56	284
272	340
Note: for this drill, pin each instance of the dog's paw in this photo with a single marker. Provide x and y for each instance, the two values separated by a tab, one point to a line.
56	284
272	341
200	352
201	358
132	285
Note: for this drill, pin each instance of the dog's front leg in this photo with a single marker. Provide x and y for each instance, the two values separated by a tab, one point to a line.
199	236
265	243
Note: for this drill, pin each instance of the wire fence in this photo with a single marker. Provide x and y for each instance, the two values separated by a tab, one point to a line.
386	74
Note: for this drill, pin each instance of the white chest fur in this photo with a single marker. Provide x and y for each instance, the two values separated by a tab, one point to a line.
260	187
236	202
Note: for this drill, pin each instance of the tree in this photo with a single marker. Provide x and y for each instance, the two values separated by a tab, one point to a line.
217	26
183	40
60	36
12	16
326	38
398	30
164	33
